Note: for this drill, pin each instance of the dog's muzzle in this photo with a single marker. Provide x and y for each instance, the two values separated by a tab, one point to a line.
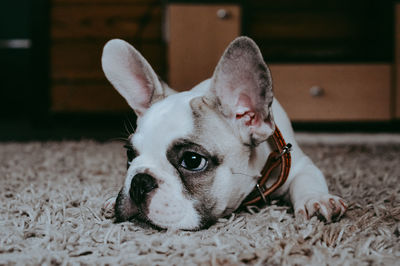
132	204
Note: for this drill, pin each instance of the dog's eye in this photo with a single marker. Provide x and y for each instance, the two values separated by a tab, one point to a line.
193	161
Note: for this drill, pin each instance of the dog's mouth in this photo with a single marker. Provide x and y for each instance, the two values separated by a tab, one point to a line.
127	209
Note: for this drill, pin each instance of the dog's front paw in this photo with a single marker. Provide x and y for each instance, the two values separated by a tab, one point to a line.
108	209
323	205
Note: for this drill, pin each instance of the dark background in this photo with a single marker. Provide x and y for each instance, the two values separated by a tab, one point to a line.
287	31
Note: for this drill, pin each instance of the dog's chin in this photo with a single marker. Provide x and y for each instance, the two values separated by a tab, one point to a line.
161	222
161	225
185	219
173	211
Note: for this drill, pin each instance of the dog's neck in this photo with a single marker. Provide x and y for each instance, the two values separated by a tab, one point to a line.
274	171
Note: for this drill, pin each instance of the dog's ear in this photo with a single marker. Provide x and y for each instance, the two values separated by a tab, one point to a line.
132	76
242	87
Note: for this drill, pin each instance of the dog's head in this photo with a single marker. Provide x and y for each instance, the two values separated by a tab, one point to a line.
193	157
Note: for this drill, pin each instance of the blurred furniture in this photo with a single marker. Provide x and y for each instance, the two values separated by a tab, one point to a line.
318	75
330	60
334	92
79	30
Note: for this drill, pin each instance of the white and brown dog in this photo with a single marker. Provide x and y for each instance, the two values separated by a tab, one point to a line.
197	155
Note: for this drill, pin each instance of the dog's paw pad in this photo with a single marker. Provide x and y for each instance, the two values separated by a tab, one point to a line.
325	206
108	209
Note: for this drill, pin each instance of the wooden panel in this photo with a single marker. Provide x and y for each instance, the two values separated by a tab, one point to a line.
397	63
106	21
197	40
89	97
351	91
82	59
79	30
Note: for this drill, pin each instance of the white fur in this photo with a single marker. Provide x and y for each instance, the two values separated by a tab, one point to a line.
248	120
168	207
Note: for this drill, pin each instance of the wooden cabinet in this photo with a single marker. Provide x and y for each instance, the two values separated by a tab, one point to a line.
334	92
79	30
308	92
197	37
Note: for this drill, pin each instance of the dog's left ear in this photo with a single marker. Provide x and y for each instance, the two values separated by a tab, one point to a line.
132	76
242	86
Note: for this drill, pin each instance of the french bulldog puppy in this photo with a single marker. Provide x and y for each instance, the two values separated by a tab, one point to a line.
196	155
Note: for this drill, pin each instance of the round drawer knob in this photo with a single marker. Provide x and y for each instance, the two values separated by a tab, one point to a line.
316	91
222	13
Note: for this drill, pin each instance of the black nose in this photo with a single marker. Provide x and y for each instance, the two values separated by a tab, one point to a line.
141	185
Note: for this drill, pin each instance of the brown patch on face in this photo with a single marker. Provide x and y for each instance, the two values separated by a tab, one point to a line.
215	134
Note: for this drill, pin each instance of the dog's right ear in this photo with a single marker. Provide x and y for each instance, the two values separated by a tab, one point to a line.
132	76
242	90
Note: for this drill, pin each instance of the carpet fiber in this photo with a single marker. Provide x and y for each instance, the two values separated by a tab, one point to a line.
52	192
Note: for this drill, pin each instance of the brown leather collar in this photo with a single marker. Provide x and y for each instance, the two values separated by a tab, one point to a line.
279	157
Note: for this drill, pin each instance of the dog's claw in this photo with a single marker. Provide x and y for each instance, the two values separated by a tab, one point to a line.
108	208
301	215
325	206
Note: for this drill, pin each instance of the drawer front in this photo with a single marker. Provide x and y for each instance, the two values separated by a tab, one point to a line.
198	35
335	92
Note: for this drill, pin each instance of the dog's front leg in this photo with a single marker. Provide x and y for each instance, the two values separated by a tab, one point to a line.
309	194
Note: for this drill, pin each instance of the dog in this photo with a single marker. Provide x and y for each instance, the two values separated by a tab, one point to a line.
198	155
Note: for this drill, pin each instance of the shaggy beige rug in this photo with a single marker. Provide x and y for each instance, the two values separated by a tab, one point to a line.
50	213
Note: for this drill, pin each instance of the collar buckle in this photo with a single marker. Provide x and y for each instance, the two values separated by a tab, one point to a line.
261	192
286	149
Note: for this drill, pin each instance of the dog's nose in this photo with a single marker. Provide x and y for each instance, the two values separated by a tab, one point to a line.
141	185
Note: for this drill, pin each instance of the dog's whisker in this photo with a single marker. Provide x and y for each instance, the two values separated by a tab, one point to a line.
121	139
131	125
238	173
127	131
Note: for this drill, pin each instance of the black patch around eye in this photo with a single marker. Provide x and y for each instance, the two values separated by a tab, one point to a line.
186	153
188	158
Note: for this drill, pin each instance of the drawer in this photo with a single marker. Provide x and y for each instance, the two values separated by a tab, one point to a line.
334	92
198	35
